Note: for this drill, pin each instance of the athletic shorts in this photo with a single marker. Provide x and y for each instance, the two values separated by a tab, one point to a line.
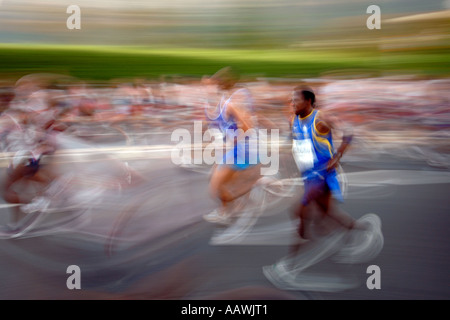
240	157
319	183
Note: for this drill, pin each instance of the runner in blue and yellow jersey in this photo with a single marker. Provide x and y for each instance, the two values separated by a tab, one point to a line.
317	159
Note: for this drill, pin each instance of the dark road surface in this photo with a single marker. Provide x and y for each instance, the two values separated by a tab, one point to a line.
164	249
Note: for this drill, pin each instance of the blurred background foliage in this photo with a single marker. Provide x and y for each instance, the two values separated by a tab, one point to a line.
284	38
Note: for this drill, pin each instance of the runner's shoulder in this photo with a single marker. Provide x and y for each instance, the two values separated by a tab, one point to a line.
324	121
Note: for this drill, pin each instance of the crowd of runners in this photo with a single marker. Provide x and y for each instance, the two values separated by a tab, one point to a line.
400	117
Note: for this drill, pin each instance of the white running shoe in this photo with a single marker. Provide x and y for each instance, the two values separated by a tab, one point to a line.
284	269
216	217
38	204
363	245
279	274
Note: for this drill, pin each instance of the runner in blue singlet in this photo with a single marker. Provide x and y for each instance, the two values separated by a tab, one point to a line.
238	170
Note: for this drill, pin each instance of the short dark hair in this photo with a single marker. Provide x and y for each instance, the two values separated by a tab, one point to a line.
307	92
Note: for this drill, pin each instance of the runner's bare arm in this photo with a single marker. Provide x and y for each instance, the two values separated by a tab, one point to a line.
325	123
243	117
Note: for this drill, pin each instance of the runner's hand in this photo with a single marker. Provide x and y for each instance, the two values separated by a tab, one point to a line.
333	162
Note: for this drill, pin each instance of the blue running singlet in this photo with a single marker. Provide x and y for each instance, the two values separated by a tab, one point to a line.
243	154
312	150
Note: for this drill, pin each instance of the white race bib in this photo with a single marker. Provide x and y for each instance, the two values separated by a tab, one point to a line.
304	154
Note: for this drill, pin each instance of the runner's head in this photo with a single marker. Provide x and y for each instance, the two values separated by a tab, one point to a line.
225	78
303	98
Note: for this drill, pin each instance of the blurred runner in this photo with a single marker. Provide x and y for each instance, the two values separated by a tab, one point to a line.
317	160
320	221
234	116
30	123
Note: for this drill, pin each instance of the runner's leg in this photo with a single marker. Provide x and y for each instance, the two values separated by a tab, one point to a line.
218	185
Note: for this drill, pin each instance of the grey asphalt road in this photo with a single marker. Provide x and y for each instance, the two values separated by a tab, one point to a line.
164	250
